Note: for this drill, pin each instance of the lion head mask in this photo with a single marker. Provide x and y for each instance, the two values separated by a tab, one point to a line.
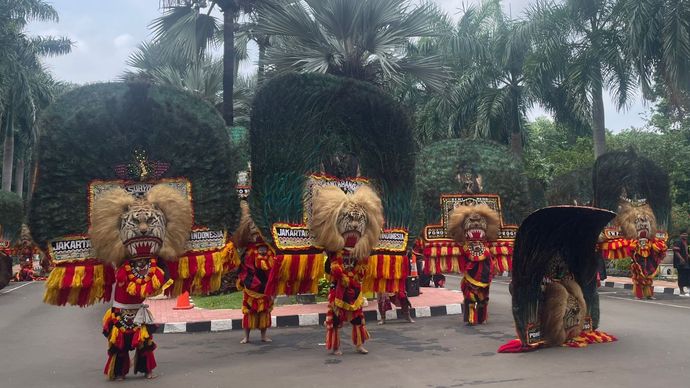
473	223
123	226
563	314
351	221
636	220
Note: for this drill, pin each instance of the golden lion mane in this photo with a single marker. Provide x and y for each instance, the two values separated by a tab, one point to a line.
106	217
243	234
553	313
627	213
327	205
456	221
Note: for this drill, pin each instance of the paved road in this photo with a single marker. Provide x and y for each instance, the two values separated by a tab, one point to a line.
45	346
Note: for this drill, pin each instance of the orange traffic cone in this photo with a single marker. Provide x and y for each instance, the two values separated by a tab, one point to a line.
413	266
183	302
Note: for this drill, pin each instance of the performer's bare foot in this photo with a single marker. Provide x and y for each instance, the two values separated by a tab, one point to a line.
151	376
245	340
336	352
119	378
410	320
266	339
381	322
360	349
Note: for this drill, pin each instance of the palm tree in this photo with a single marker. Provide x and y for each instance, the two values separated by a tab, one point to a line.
489	94
658	33
587	37
365	39
202	77
26	86
188	28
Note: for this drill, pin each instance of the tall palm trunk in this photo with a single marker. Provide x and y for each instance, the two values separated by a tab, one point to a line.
228	63
516	145
8	153
263	42
19	178
598	119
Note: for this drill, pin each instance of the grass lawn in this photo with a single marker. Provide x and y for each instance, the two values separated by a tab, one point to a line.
234	301
224	301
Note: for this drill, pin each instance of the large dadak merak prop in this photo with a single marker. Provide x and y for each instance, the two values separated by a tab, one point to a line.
639	191
472	240
472	228
554	285
135	233
320	144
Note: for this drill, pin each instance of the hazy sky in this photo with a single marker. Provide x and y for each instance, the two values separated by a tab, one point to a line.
107	31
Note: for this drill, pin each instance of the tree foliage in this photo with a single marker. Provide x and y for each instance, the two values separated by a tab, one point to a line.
366	39
11	214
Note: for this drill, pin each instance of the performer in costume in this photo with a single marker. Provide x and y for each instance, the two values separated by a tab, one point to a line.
472	227
639	241
133	234
347	227
554	285
386	301
639	191
256	263
26	249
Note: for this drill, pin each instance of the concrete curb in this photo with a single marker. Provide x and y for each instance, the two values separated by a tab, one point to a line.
628	286
300	320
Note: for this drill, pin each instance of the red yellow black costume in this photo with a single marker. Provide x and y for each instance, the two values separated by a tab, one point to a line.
345	299
478	265
252	279
128	324
646	256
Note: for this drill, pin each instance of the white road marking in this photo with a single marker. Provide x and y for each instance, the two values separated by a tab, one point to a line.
16	288
649	302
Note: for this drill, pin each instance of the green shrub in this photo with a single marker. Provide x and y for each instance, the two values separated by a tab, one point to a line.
89	130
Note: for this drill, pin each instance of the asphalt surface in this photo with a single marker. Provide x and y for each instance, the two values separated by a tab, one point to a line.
47	346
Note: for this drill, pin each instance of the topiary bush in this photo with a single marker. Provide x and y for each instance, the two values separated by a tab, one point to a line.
502	174
89	130
299	122
11	215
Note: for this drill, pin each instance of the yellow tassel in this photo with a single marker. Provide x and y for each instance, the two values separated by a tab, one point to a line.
143	333
132	288
155	283
113	335
97	289
55	278
183	267
301	269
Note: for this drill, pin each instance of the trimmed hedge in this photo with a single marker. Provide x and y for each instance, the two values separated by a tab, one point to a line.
299	121
11	215
89	130
501	172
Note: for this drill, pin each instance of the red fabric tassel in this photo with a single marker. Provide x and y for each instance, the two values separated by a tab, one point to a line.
515	346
